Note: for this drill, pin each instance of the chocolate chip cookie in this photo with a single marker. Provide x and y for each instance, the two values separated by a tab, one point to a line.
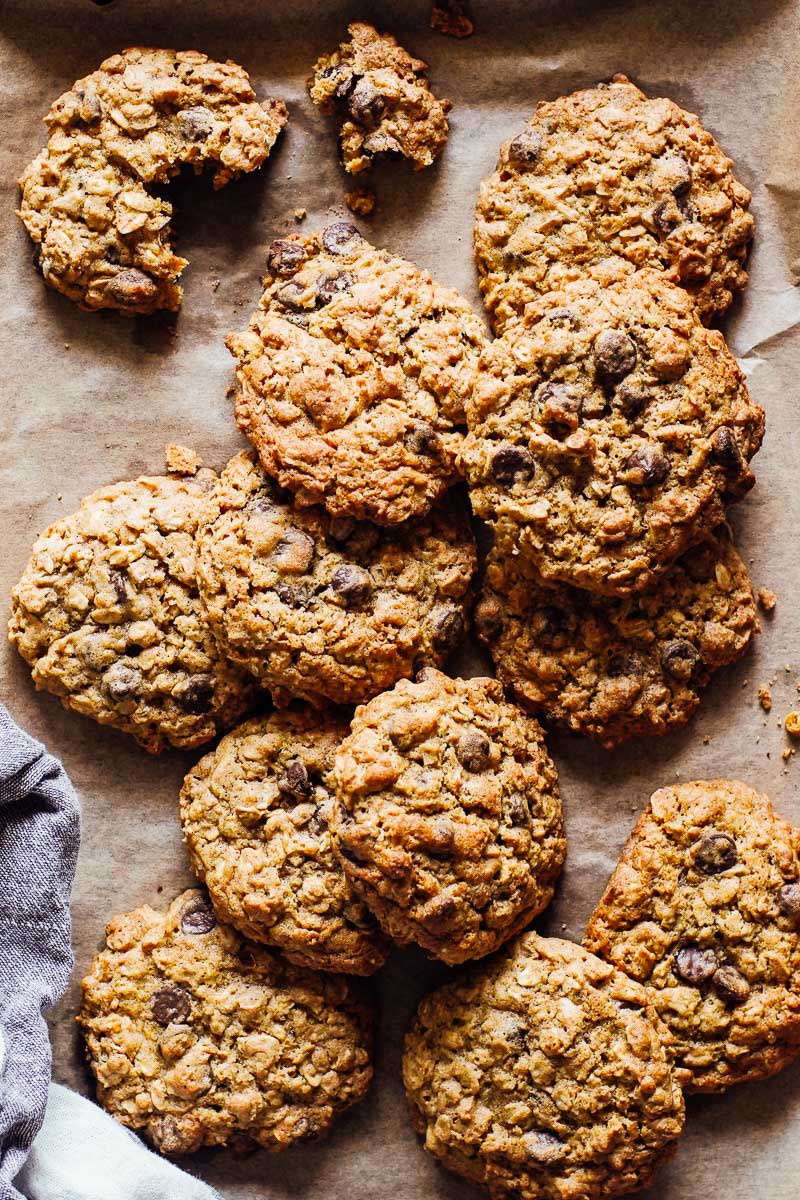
704	908
325	607
449	821
615	668
384	101
255	815
199	1038
604	182
353	376
608	430
544	1075
108	616
91	199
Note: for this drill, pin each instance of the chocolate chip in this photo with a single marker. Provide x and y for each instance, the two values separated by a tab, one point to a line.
614	355
294	552
488	619
352	584
131	287
422	438
511	461
620	665
196	123
679	658
122	682
631	397
715	852
517	809
292	295
284	256
91	107
694	964
542	1147
725	450
730	985
199	919
347	80
448	629
365	104
119	585
789	900
171	1003
294	782
317	822
559	404
525	149
676	169
647	466
666	216
292	596
549	626
473	750
196	694
329	286
337	238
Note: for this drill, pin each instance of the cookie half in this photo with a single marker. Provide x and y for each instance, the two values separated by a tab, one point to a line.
255	815
353	376
199	1038
449	821
704	909
603	182
543	1074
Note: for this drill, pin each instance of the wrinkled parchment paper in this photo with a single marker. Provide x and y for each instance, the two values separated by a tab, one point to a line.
91	399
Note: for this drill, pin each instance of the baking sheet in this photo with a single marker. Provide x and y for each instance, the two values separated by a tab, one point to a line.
88	400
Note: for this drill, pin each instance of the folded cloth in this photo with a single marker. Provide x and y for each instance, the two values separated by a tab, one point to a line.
81	1153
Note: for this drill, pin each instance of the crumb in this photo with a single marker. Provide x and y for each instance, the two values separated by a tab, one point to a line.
765	697
214	284
66	345
59	496
451	17
787	754
361	201
181	461
300	214
706	740
767	599
792	724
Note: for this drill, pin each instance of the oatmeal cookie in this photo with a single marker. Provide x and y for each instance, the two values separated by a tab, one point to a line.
449	821
604	182
323	607
353	376
91	199
704	909
108	616
608	430
255	815
544	1075
199	1038
616	668
383	98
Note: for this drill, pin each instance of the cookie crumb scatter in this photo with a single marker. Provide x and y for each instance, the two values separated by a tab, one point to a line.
361	201
215	285
767	599
788	753
300	214
452	18
792	724
765	697
181	460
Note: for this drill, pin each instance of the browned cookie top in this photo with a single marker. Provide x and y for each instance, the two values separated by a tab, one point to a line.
607	181
323	607
449	822
615	668
544	1074
88	199
383	98
704	908
353	376
608	428
199	1038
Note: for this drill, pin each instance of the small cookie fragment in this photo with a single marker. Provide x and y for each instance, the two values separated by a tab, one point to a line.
361	201
608	429
199	1038
91	201
765	697
767	599
451	17
322	607
353	376
385	101
613	669
181	460
255	815
108	616
544	1074
604	182
792	724
704	909
449	822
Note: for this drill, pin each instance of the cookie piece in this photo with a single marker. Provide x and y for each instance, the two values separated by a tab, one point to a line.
255	815
704	908
604	182
353	376
91	199
322	607
199	1038
383	98
608	429
449	822
544	1075
108	616
615	668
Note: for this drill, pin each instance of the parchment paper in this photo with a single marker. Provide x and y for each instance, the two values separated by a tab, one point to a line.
88	400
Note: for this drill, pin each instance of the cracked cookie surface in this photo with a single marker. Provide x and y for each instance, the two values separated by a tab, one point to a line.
384	99
449	821
255	814
616	668
317	606
108	616
197	1037
90	199
704	909
608	429
603	182
544	1074
353	376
